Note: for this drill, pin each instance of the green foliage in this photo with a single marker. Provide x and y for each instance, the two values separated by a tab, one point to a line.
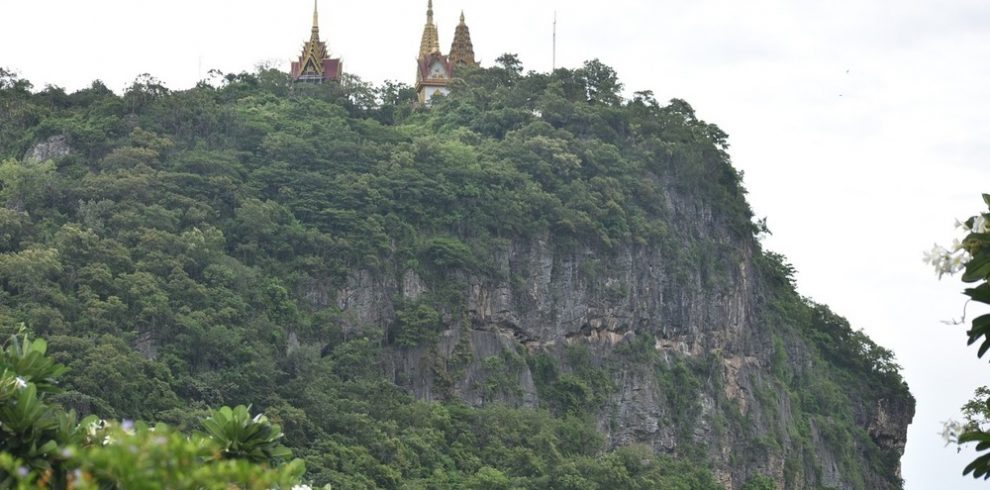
681	387
28	360
43	445
161	458
488	478
190	250
25	185
580	390
842	372
242	437
977	274
759	482
446	253
417	323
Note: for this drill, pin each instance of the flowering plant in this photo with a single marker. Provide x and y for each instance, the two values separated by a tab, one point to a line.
43	446
971	256
955	258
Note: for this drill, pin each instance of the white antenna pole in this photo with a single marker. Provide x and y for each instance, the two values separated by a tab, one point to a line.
554	40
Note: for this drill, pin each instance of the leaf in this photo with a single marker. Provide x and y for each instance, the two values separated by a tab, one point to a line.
977	269
40	346
983	348
979	467
982	323
980	293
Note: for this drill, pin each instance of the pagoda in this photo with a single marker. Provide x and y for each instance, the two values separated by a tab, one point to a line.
315	64
435	70
462	50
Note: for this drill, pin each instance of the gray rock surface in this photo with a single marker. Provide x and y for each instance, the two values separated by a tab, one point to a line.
53	148
539	298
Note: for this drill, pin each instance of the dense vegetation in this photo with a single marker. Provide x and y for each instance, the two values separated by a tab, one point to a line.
44	446
170	257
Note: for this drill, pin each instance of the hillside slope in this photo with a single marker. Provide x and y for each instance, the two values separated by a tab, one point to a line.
568	283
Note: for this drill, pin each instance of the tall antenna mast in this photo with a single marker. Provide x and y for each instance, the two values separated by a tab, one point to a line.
554	40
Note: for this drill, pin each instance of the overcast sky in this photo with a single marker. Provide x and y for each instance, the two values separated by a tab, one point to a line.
862	125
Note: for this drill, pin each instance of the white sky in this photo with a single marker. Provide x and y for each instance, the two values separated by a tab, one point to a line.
862	125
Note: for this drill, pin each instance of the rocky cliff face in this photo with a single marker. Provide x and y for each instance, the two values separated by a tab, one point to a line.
53	148
676	340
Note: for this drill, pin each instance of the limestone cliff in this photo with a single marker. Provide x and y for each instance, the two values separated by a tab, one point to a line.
692	357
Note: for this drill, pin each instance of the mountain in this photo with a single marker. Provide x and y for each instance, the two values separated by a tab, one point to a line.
531	283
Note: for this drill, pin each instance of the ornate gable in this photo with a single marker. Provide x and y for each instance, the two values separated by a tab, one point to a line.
315	64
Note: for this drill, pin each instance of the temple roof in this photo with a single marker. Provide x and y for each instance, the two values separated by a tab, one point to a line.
313	62
424	67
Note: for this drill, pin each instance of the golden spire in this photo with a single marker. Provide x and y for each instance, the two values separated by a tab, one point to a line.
431	38
314	51
462	50
316	17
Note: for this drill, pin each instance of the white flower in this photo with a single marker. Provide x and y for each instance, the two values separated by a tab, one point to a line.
950	432
946	262
958	261
934	256
980	224
302	487
20	383
95	426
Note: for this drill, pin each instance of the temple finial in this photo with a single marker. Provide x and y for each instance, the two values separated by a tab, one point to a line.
316	16
429	11
462	17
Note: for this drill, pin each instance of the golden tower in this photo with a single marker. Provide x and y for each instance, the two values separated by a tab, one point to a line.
315	64
431	37
462	50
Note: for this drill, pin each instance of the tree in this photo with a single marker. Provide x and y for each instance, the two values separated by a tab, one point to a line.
602	83
11	81
25	186
30	272
18	111
510	62
144	90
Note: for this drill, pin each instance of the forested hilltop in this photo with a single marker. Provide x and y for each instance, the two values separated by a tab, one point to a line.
533	283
